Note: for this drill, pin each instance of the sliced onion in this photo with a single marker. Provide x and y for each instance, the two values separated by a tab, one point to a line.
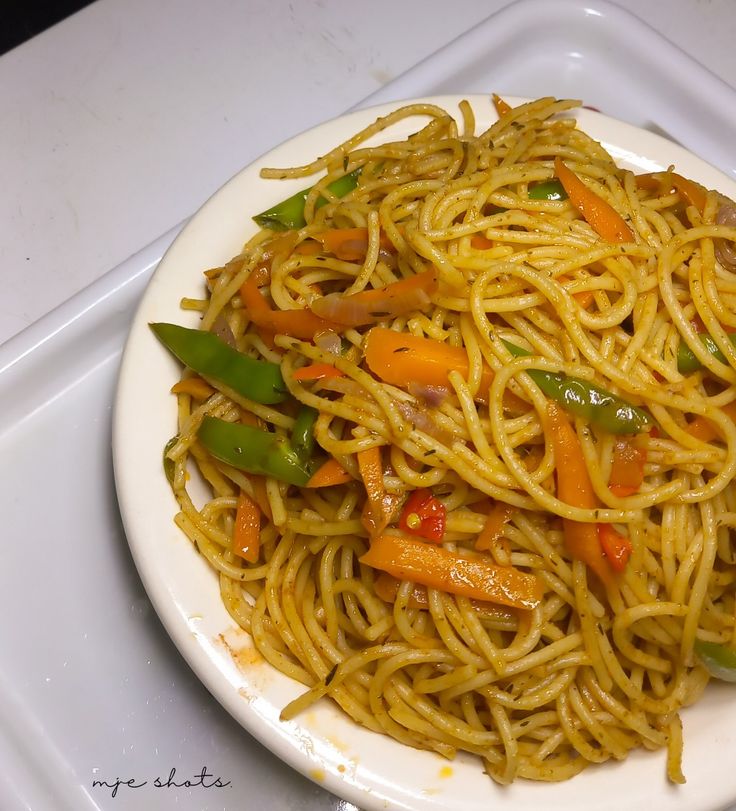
328	341
724	249
433	396
357	310
422	421
221	328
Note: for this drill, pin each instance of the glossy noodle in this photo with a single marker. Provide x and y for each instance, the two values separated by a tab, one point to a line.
487	504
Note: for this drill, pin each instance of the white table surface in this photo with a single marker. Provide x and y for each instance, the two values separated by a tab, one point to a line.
120	121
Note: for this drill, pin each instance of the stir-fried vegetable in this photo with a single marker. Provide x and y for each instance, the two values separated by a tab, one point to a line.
666	182
380	506
399	357
301	324
210	356
349	244
253	450
329	474
719	660
548	190
599	214
289	213
369	306
627	467
575	488
433	566
424	515
587	400
616	547
502	107
317	371
687	361
494	526
246	541
302	434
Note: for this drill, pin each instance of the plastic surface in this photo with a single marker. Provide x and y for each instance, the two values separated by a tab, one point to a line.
93	688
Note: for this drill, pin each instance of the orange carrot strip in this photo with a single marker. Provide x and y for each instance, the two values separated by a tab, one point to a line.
350	244
502	107
616	547
369	306
246	541
705	430
317	371
600	215
195	386
398	357
387	587
492	531
433	566
662	182
302	324
627	467
480	243
575	488
329	474
380	505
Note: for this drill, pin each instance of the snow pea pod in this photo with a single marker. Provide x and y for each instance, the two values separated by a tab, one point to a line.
587	400
289	213
253	450
548	190
719	660
686	360
210	356
302	434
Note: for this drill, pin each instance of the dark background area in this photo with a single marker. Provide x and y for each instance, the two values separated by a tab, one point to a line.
22	19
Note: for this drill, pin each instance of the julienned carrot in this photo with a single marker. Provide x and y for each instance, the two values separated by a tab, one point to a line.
480	242
627	466
476	577
195	386
399	357
705	430
329	474
600	215
349	244
691	192
317	371
502	107
246	541
575	488
387	587
380	505
369	306
302	324
616	547
493	528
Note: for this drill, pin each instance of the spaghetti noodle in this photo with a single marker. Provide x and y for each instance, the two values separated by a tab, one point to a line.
465	412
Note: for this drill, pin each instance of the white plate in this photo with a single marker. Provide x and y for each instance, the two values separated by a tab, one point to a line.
370	770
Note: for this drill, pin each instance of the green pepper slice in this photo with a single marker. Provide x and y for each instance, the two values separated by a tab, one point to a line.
253	450
302	434
169	465
289	213
687	362
719	660
548	190
208	355
587	400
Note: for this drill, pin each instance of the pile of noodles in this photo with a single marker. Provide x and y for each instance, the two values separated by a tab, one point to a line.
592	672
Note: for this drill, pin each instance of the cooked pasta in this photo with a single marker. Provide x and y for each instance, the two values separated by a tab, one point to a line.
467	426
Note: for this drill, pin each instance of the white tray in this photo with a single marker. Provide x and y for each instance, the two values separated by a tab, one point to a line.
93	690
